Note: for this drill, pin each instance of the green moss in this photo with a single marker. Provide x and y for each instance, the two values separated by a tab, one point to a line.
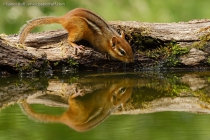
157	53
70	66
203	41
177	89
208	60
202	96
172	61
72	62
28	68
177	50
169	53
205	37
199	44
56	63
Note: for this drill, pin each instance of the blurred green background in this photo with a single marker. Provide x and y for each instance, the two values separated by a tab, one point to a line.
13	16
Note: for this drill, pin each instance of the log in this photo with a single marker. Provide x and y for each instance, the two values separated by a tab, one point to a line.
155	46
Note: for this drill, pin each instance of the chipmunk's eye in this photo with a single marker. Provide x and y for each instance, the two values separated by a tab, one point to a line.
122	90
122	52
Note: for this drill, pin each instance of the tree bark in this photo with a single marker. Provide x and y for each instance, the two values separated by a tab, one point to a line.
155	45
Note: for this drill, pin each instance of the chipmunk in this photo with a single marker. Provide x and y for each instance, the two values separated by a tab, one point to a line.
89	110
83	24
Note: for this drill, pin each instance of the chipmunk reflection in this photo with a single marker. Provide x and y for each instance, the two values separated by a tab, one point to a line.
87	111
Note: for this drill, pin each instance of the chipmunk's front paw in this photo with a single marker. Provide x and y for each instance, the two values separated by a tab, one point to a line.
78	48
78	92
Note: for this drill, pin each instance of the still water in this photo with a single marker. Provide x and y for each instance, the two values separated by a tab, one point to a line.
144	105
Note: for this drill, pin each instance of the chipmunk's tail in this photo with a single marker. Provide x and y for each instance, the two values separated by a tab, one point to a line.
33	23
38	116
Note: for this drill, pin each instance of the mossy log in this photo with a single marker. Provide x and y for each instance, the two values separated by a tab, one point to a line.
155	45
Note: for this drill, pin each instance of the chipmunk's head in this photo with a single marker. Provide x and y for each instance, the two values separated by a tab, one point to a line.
120	49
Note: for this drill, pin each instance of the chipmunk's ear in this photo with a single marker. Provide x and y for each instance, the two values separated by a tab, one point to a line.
122	35
113	41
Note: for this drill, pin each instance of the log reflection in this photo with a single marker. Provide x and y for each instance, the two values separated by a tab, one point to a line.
91	98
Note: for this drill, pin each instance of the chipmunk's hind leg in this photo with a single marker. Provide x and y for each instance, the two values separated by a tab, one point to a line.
75	27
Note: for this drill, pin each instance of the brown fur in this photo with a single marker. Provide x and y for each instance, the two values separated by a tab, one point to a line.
83	24
86	112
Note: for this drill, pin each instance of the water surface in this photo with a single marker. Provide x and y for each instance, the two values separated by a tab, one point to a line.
142	105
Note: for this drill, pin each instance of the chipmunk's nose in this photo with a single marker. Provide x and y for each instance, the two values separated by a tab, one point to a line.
129	60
